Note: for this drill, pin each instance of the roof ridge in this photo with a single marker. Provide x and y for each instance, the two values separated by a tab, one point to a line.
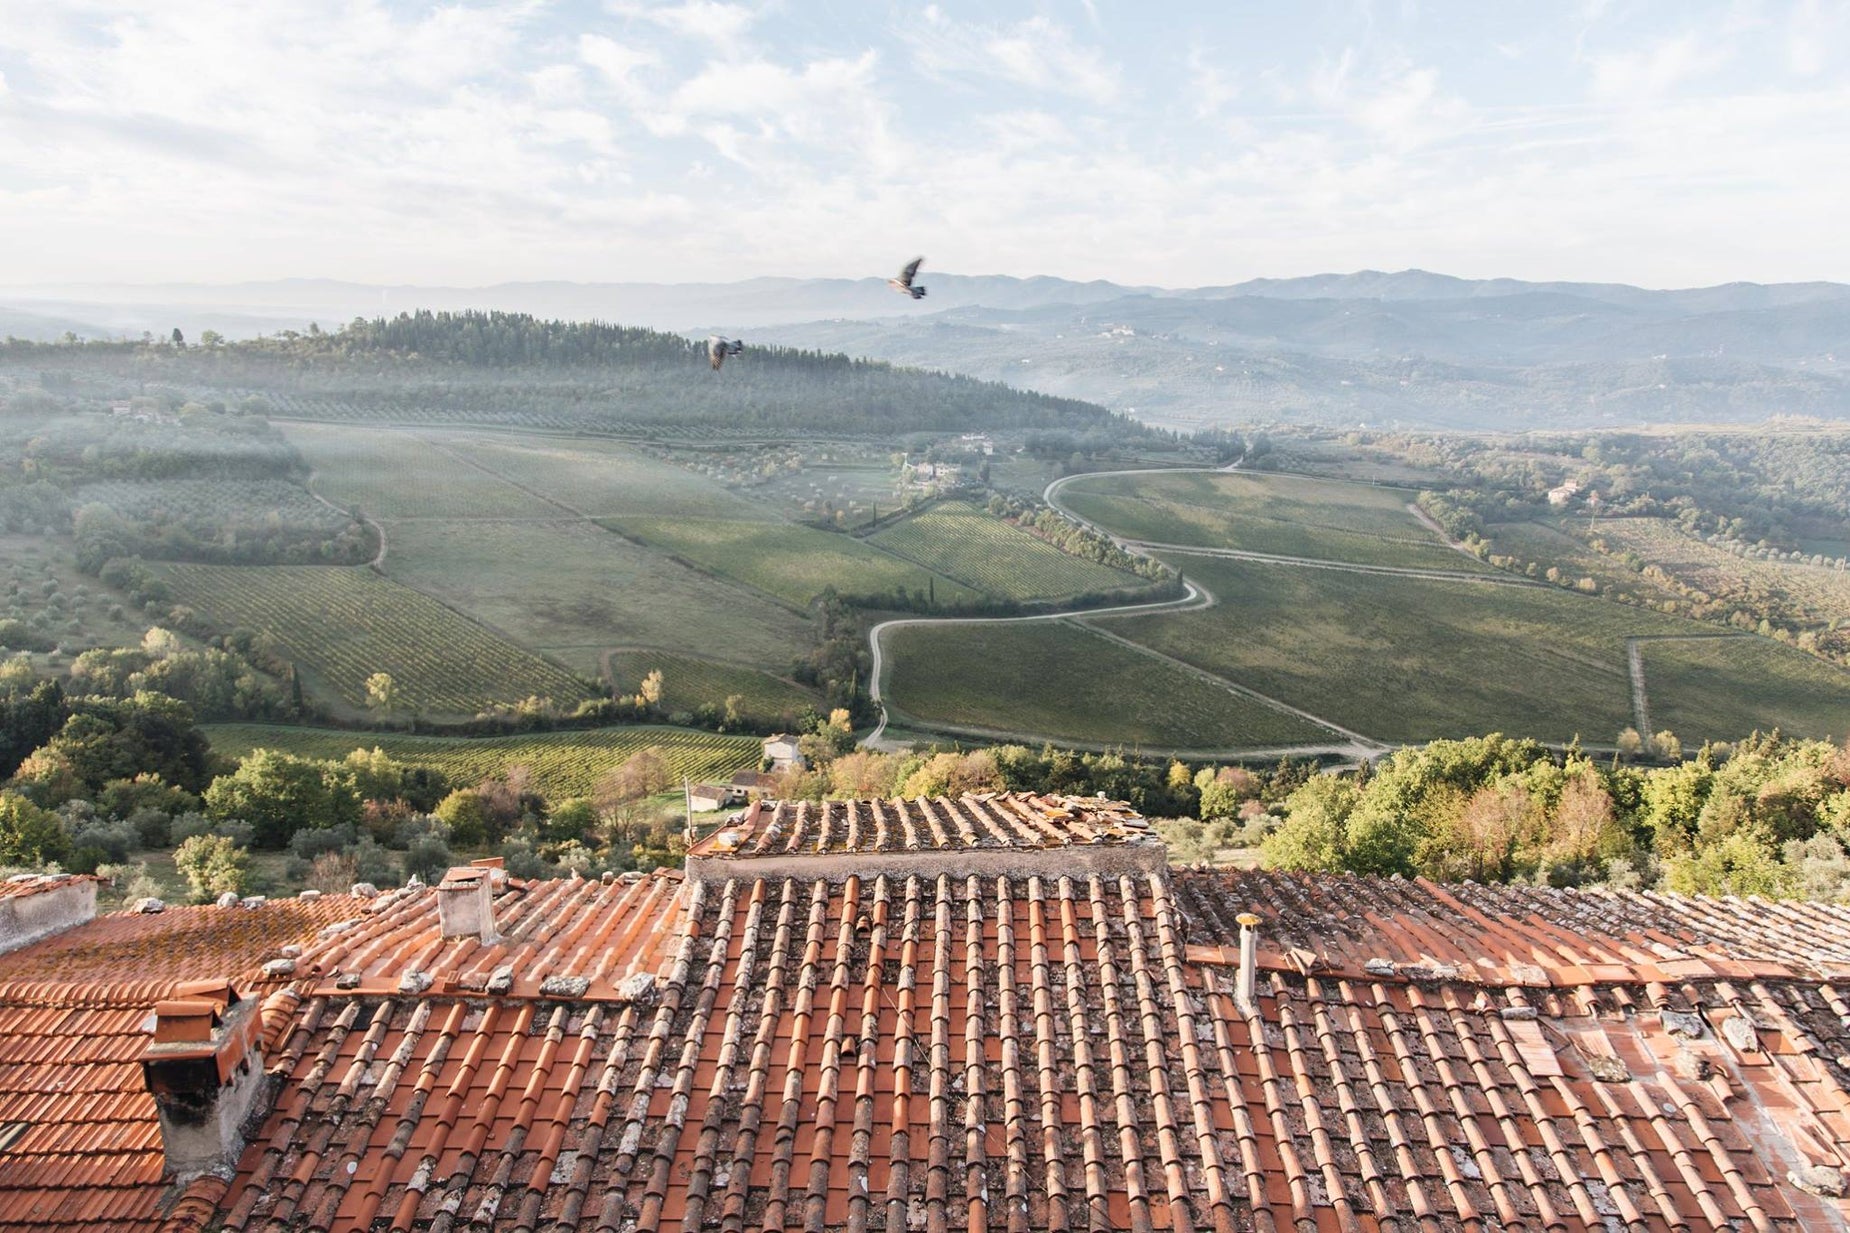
29	992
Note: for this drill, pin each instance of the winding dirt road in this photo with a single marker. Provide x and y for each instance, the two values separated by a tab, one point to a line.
1197	597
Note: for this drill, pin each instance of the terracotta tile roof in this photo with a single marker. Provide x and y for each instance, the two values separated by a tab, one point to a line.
1339	924
180	943
82	1145
985	821
909	1052
601	932
942	1053
20	885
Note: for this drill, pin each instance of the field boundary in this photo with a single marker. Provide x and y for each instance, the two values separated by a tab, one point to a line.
1634	662
1195	597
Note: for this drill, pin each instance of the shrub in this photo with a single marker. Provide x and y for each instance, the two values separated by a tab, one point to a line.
372	863
429	858
29	836
212	865
131	882
114	840
152	827
316	842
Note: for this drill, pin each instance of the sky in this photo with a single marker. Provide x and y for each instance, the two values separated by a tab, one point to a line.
1169	143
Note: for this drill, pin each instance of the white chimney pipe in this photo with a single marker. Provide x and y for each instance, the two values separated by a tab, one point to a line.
1249	964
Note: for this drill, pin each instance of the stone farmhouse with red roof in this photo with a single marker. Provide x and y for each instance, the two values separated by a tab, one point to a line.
935	1016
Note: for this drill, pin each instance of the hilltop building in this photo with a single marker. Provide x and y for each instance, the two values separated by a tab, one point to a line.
933	1016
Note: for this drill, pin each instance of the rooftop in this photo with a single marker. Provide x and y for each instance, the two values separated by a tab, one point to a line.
1015	833
870	1048
20	885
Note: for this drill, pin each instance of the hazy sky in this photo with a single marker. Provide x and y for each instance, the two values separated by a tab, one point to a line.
1670	143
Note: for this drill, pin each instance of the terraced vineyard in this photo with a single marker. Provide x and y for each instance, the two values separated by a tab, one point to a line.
564	764
1286	515
1051	679
1724	688
1412	659
572	590
398	474
960	541
604	478
688	682
342	625
792	562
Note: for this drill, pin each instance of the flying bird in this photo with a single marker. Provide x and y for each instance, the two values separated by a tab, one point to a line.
719	348
903	284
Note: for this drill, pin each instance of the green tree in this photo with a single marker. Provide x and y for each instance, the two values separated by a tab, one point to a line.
279	794
30	836
1313	833
212	865
466	814
382	693
1744	863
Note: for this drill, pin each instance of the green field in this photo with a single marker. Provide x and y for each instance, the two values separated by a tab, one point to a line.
960	541
794	563
395	474
1289	515
1053	679
603	479
342	625
563	763
574	590
687	682
1724	688
1411	659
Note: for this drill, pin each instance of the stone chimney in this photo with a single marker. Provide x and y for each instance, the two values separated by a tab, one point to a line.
1244	992
466	899
34	906
204	1068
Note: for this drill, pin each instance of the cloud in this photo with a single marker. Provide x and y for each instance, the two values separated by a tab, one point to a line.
1651	73
1037	53
621	66
469	143
712	20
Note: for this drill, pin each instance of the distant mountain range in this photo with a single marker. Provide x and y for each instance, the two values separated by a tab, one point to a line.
1410	348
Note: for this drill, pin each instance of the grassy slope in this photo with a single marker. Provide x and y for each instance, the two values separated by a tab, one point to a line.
1049	678
1410	659
391	474
794	563
688	681
342	625
603	479
1284	514
573	589
563	763
960	541
1724	688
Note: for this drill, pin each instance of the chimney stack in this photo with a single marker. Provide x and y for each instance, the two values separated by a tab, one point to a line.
204	1068
466	899
1244	993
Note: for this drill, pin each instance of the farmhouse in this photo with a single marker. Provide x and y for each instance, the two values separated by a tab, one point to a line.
783	753
710	797
1561	494
1031	1024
